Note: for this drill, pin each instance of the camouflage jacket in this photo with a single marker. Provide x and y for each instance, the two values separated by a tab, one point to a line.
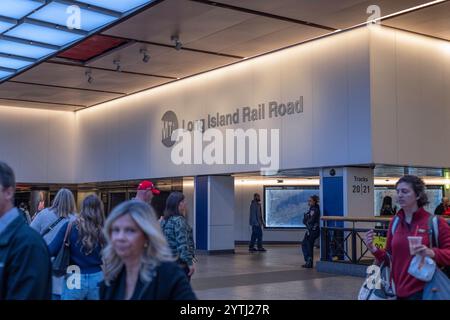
180	238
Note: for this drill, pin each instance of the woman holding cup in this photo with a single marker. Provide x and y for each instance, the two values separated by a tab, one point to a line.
411	237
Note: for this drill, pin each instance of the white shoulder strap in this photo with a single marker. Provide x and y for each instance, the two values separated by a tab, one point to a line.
436	230
394	224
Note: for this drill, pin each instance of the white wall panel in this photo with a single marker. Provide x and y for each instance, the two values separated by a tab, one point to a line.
333	129
384	97
410	88
38	144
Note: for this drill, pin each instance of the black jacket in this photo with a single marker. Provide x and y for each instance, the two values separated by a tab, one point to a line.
255	218
311	219
25	268
169	283
439	210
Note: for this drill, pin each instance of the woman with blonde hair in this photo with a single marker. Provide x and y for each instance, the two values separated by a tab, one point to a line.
50	220
86	242
138	263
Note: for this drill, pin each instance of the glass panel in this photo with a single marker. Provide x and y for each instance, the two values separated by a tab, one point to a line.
17	9
24	50
43	34
13	63
4	74
59	13
5	26
120	6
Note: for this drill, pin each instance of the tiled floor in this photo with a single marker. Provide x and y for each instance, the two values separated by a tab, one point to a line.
275	274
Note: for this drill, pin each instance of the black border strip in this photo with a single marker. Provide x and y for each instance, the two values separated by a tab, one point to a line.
173	47
42	102
264	14
63	87
111	70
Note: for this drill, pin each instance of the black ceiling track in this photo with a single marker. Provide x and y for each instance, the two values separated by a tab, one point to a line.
44	102
171	46
111	70
63	87
264	14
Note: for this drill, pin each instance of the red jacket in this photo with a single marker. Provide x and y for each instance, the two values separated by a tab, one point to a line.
398	246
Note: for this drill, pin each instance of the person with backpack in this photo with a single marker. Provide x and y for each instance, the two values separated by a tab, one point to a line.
85	240
411	220
48	222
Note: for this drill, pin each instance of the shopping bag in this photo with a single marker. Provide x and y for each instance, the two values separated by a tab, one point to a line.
378	284
422	268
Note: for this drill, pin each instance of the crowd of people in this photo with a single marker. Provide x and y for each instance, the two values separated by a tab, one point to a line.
126	256
133	255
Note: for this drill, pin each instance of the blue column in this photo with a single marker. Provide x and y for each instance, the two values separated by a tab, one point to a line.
201	212
214	214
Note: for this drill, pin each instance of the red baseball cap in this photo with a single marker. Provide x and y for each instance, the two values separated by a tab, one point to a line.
148	185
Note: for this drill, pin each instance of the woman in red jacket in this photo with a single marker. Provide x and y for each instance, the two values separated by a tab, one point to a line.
413	221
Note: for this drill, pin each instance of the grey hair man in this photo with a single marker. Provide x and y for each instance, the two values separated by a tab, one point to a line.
24	258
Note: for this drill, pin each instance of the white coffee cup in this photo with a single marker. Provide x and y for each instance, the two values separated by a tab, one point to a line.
414	242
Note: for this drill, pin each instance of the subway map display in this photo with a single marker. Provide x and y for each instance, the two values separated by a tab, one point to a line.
284	207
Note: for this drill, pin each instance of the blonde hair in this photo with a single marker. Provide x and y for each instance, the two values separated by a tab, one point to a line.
90	223
156	252
64	203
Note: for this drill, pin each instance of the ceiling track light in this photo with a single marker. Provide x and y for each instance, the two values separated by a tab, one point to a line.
146	56
88	75
118	66
177	43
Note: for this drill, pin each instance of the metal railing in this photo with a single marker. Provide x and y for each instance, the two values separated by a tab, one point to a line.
346	244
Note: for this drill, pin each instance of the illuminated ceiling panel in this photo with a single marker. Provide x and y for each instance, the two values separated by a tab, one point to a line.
34	30
24	50
5	26
4	74
17	9
36	33
14	63
120	6
57	13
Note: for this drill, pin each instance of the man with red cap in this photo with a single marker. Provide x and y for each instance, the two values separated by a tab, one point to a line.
145	191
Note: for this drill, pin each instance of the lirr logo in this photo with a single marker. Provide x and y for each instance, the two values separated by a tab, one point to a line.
170	124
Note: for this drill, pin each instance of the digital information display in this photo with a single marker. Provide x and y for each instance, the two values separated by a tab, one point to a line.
284	207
